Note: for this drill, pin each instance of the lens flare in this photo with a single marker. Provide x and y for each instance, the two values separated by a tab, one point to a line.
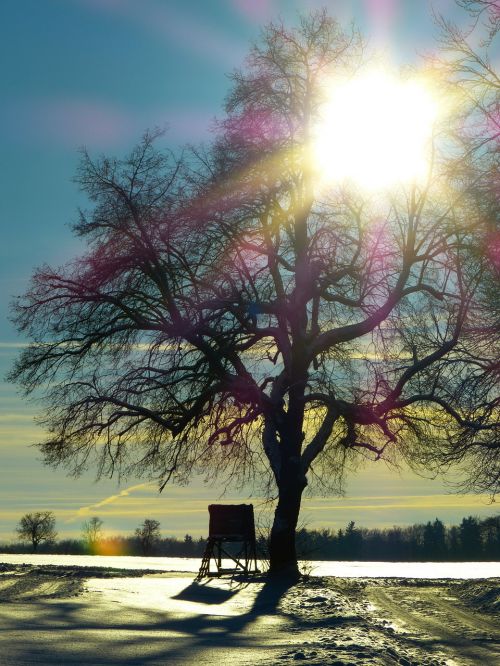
375	131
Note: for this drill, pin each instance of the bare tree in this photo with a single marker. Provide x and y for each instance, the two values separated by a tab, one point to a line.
37	527
234	319
467	60
468	70
148	534
92	533
487	11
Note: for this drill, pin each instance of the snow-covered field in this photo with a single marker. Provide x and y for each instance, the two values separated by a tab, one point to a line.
313	568
107	610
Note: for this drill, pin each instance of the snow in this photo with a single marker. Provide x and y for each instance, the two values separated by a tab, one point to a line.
129	611
419	570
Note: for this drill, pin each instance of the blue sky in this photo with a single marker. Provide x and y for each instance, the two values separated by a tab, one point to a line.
98	73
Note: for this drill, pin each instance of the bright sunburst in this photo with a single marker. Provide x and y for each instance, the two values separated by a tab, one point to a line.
375	131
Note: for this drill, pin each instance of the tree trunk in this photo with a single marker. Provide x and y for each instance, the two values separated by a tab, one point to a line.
282	550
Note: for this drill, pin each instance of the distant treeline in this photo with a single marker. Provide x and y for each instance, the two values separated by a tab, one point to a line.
116	545
472	540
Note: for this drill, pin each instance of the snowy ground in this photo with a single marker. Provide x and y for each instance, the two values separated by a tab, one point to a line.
96	615
313	568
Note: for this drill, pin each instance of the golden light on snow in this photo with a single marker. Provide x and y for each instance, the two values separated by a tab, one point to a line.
375	131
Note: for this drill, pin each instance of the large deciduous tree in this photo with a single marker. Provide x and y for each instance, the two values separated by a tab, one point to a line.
37	527
468	68
233	317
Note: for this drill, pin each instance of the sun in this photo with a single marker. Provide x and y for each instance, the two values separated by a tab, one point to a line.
375	131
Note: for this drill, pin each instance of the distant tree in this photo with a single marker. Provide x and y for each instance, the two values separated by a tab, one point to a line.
491	537
148	534
92	533
434	546
188	545
470	539
353	541
37	527
70	547
234	317
453	539
394	540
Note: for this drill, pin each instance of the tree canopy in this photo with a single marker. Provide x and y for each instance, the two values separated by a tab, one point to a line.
92	533
237	316
148	534
37	527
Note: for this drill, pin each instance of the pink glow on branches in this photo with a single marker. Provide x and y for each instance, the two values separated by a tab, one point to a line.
381	263
260	127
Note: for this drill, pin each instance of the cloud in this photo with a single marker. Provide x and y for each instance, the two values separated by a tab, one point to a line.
68	122
375	503
186	30
180	513
92	508
14	419
13	345
18	434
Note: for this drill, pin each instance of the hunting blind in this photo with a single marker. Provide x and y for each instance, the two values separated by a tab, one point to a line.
231	536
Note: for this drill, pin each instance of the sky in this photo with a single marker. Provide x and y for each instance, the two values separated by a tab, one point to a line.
97	73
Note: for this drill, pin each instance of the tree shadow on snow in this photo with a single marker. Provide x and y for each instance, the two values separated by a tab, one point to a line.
62	632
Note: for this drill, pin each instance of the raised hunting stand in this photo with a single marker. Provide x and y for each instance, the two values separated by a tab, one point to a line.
230	524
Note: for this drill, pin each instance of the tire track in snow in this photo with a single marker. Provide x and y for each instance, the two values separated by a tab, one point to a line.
429	614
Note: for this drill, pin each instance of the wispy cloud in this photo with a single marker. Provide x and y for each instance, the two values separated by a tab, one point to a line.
13	345
393	502
69	122
92	508
13	417
186	30
19	434
180	513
